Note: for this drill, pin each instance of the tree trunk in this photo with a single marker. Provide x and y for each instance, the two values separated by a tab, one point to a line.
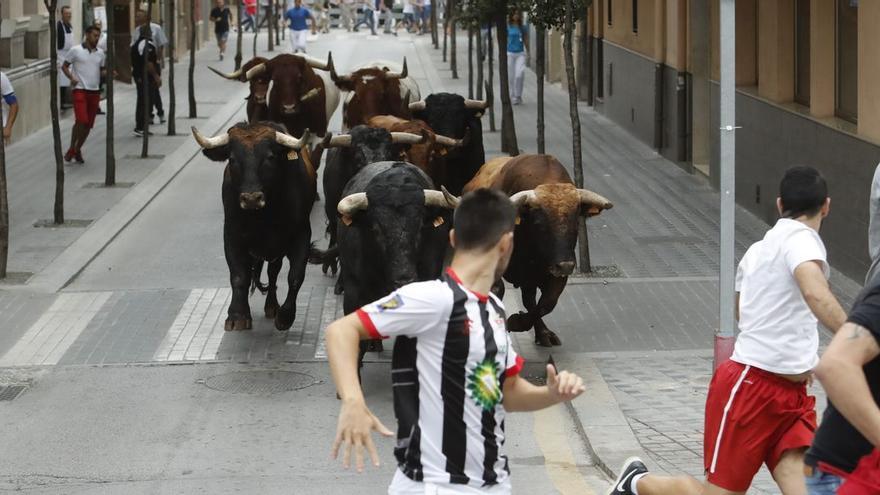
508	127
435	37
240	35
490	84
110	165
471	63
275	22
445	27
172	49
51	6
577	164
540	66
192	59
147	84
270	21
256	31
4	208
480	57
453	50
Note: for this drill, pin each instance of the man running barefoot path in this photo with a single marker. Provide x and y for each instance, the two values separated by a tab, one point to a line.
83	66
454	373
757	410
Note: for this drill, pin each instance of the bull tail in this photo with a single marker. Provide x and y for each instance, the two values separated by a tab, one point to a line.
318	257
256	273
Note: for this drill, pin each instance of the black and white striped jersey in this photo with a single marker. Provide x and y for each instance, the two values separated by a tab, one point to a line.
450	361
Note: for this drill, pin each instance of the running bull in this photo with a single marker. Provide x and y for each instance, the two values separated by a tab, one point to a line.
376	88
257	108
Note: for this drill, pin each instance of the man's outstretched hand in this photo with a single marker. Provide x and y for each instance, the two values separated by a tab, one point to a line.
356	423
564	386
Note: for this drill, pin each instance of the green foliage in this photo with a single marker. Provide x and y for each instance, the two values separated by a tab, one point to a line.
541	13
549	14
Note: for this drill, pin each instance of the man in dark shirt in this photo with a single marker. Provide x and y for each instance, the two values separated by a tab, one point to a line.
850	430
145	70
220	16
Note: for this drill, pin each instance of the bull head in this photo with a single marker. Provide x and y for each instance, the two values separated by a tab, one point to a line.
397	75
356	202
281	138
344	140
591	203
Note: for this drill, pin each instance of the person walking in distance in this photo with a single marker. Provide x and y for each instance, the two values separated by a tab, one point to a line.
409	16
757	409
426	16
455	373
347	10
387	7
250	10
145	70
517	46
299	29
368	16
11	111
83	66
159	40
221	17
64	43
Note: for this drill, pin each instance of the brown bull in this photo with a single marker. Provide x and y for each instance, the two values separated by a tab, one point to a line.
550	207
257	109
375	89
426	154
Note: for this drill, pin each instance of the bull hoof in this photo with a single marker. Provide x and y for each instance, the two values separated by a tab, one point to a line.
233	325
520	322
271	311
338	288
284	320
375	346
547	339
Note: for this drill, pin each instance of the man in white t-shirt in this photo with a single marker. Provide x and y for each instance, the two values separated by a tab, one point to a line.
84	66
11	110
757	410
455	373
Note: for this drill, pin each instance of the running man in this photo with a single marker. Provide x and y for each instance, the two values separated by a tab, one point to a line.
11	110
757	410
221	17
454	371
296	17
84	66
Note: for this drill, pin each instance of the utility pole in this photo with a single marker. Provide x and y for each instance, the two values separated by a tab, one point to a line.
724	339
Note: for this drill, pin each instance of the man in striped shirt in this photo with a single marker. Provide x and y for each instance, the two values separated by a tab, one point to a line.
454	372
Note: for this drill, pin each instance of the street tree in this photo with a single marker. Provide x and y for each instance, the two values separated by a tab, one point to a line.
509	144
481	55
578	165
58	213
276	17
238	36
192	59
270	21
470	49
435	37
110	165
453	55
172	50
147	34
4	206
490	84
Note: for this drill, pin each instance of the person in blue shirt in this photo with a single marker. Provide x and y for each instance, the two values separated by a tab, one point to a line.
299	28
517	47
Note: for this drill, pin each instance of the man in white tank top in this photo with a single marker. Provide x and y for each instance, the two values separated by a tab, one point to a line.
757	410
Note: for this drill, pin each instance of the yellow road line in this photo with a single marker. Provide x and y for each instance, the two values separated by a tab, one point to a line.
559	460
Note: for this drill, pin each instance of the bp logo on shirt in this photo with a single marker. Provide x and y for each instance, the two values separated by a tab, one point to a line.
393	302
484	385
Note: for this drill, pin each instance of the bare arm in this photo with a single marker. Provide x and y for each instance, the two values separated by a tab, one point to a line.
522	396
356	421
817	294
841	373
65	68
10	120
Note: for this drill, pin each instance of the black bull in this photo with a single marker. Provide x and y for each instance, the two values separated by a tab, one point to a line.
268	192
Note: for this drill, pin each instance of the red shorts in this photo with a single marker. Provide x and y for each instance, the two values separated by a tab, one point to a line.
752	418
85	106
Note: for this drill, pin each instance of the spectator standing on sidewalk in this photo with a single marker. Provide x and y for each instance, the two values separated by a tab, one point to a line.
299	29
387	7
367	16
159	41
145	70
757	408
83	66
11	110
455	372
64	43
409	16
221	17
517	46
347	11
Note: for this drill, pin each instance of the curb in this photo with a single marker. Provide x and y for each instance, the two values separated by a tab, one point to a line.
76	257
602	425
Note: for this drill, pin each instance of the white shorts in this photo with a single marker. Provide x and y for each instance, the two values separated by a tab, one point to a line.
298	40
401	485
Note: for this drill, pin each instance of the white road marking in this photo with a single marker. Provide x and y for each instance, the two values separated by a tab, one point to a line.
51	336
328	315
197	330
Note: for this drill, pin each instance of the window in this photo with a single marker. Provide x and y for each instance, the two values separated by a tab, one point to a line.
635	12
610	10
802	52
847	88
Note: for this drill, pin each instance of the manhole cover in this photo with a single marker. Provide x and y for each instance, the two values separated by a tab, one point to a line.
260	382
11	392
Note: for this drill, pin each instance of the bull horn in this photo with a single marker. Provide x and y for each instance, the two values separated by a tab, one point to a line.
476	104
406	138
448	141
255	71
314	62
352	204
210	142
340	141
227	75
590	198
336	77
417	106
523	198
291	142
398	75
311	94
440	199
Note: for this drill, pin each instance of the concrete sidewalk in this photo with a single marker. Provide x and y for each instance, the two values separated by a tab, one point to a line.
642	334
44	259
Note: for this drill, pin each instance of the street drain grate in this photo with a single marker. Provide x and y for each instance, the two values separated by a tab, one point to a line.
263	382
11	392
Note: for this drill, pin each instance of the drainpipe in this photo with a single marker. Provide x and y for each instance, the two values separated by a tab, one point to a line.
681	95
658	106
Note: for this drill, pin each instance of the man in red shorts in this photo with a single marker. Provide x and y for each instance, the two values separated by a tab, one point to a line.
84	66
757	410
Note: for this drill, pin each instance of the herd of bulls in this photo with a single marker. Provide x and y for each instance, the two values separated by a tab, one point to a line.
391	183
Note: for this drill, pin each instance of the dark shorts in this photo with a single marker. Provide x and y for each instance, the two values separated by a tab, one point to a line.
85	106
222	36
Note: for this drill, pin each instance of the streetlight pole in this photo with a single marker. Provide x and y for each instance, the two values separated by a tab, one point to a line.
724	339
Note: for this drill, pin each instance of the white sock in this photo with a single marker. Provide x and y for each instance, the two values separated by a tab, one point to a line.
633	484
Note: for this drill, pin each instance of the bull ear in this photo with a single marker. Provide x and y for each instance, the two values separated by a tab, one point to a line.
218	154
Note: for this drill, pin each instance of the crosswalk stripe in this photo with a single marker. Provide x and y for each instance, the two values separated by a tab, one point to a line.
197	330
46	341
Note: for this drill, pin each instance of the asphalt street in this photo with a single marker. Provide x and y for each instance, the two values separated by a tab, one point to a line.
133	387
